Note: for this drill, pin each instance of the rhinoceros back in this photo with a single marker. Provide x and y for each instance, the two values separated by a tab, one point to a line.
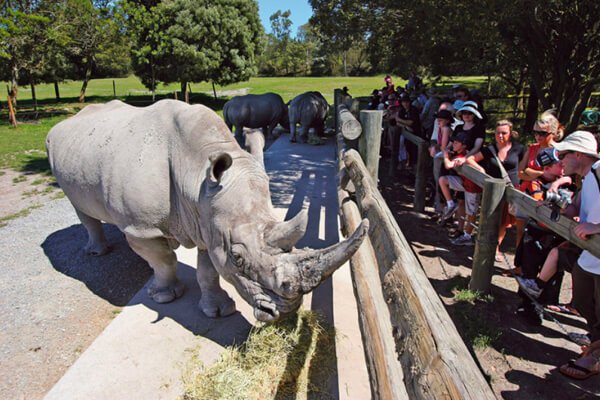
115	162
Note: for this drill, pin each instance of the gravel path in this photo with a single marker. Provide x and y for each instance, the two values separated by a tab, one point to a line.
55	299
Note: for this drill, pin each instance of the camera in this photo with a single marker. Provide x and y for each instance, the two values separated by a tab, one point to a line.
546	156
558	201
561	199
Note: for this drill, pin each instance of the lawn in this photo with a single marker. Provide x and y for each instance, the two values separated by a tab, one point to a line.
23	149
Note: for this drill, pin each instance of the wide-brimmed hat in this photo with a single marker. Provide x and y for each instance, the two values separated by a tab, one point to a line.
469	106
581	141
444	114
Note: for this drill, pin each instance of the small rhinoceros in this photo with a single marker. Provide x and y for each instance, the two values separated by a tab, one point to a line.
171	174
255	111
310	111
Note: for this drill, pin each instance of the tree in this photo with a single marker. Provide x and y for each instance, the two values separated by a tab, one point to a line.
559	43
23	34
201	40
341	23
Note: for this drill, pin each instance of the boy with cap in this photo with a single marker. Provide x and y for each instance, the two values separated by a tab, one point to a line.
460	143
578	154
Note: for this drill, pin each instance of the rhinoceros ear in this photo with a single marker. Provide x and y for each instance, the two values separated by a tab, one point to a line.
219	163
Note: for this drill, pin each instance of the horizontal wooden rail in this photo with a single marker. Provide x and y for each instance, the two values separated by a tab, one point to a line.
563	226
435	361
348	124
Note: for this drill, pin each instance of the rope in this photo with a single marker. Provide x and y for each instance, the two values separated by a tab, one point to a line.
573	336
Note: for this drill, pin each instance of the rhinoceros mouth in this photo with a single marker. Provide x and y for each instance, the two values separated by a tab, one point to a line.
268	306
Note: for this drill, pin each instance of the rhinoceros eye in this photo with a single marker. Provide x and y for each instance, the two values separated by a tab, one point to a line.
237	255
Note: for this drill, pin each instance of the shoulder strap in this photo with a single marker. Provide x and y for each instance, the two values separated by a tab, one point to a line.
502	169
596	176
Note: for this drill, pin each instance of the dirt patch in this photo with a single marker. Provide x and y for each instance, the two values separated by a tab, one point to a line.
519	360
20	191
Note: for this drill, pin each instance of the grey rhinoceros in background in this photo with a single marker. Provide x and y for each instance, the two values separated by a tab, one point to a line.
255	111
310	111
172	174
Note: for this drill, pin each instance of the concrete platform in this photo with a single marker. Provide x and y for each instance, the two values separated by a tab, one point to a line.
141	354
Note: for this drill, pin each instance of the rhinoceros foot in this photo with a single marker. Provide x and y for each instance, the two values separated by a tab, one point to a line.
216	305
97	248
166	294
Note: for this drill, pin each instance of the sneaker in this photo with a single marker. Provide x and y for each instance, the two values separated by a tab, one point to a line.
462	241
448	212
530	286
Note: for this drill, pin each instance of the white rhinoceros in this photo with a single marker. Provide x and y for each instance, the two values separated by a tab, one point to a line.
171	174
255	111
310	111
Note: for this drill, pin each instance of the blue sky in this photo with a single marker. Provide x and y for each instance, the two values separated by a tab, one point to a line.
300	12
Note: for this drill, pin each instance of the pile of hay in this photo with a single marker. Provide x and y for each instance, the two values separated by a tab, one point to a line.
289	359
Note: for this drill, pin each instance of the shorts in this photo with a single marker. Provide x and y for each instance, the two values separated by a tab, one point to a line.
472	200
568	254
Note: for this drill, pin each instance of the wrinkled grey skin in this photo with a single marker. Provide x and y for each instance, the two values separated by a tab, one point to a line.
255	111
172	174
310	111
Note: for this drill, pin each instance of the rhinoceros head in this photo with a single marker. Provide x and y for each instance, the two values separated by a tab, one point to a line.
256	253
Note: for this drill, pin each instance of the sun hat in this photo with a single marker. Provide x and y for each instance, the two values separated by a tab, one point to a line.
470	107
581	141
444	114
388	78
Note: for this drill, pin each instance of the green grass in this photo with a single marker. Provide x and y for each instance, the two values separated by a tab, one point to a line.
21	213
23	148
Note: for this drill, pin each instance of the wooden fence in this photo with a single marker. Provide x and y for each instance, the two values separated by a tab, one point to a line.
413	349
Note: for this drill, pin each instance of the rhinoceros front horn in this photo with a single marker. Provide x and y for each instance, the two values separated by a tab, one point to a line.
315	266
286	234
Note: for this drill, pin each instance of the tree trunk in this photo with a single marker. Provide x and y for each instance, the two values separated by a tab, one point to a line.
345	64
88	74
572	114
532	110
14	86
184	92
56	91
214	90
33	97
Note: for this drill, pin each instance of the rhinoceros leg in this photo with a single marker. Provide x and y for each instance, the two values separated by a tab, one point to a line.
97	244
165	287
239	135
214	301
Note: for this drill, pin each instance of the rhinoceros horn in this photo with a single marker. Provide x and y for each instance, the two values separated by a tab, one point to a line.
286	234
314	266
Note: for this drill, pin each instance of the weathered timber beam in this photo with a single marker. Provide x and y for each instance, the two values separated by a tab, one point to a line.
348	125
385	371
369	141
436	363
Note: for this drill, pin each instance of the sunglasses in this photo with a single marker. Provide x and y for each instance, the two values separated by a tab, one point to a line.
541	133
561	156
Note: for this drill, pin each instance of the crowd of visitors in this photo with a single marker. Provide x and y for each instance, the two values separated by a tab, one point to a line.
550	170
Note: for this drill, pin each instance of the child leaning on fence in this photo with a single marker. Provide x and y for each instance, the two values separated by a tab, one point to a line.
460	143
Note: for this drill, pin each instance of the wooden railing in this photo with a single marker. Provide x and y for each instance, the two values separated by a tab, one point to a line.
412	347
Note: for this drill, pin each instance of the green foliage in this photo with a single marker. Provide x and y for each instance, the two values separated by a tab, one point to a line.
196	40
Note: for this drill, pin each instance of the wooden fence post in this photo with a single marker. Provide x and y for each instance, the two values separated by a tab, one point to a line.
370	140
114	89
337	95
487	235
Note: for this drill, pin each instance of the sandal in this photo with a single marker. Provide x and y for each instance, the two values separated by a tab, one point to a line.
584	372
563	309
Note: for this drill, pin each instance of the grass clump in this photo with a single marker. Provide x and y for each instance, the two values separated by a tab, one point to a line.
21	213
289	359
